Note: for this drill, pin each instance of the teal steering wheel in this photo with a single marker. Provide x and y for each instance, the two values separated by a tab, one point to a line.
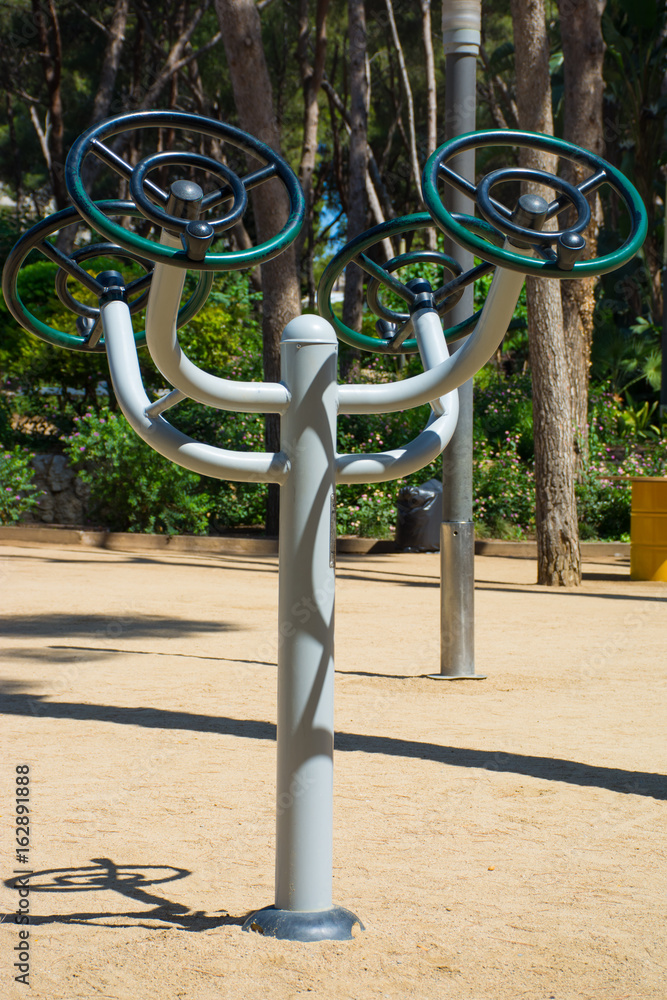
154	203
382	277
557	251
90	337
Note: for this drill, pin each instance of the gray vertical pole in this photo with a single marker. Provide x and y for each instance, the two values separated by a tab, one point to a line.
461	24
303	908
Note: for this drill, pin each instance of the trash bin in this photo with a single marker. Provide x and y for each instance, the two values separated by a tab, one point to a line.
419	515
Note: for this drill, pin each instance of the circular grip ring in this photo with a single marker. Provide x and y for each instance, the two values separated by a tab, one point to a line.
36	239
437	169
92	142
382	276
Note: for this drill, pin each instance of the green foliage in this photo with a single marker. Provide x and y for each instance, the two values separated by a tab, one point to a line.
227	328
503	406
503	488
618	448
366	510
512	355
7	436
230	505
603	506
18	494
48	382
627	355
132	488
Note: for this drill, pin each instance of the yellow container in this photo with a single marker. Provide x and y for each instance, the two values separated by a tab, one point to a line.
648	528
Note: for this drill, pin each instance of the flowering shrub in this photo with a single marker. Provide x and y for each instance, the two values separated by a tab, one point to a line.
504	404
18	494
132	488
503	487
604	495
366	510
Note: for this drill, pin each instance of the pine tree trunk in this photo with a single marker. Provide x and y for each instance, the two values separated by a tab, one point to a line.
311	81
558	556
431	99
583	54
358	159
253	96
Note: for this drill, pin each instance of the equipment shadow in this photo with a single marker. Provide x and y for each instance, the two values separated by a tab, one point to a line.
13	702
130	882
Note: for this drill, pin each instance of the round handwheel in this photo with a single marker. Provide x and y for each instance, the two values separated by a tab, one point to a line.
154	203
382	280
558	250
89	337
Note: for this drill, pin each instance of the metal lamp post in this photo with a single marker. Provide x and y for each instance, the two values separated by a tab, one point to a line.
461	36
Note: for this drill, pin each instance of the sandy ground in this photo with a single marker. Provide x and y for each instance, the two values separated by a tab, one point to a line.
501	838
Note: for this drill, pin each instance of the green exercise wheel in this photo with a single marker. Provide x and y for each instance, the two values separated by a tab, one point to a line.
557	251
89	338
381	278
155	204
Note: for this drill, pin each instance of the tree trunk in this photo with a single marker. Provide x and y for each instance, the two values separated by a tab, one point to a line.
405	80
358	157
375	189
253	96
102	104
583	54
311	81
111	60
50	53
431	99
558	556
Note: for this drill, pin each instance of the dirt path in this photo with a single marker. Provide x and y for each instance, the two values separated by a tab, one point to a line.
500	839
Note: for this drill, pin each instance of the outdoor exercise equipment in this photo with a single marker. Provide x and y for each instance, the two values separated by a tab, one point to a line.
157	205
89	329
308	398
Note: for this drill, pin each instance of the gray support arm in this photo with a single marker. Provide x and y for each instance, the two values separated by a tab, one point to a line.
425	448
429	385
245	467
380	467
162	340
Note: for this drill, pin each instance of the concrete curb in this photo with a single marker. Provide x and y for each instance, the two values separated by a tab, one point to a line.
231	545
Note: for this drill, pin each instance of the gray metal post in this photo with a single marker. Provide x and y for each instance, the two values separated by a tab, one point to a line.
461	20
303	908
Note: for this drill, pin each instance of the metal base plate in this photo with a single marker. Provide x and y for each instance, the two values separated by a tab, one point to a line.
335	924
456	677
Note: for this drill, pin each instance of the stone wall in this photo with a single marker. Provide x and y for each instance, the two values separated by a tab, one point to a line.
64	494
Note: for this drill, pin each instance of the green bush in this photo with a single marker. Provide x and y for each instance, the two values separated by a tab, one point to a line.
503	488
366	510
18	494
132	488
604	495
621	444
231	505
504	405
